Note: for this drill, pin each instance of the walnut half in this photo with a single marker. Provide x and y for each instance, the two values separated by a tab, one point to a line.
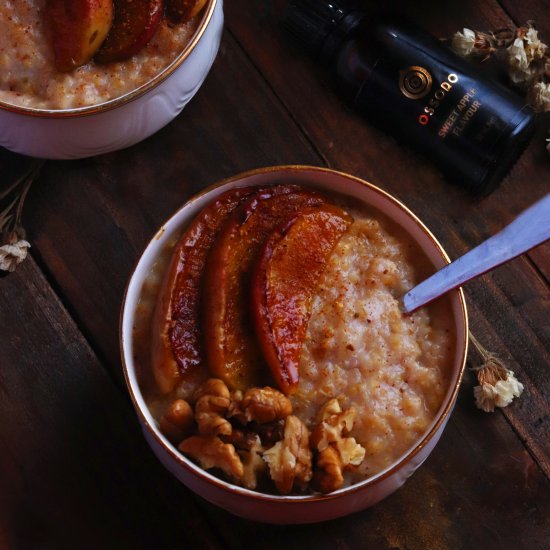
212	401
259	405
211	452
335	452
289	460
263	405
253	463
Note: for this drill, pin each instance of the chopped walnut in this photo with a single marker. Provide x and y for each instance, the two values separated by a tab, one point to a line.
351	453
177	420
240	439
212	402
264	405
253	464
211	452
336	453
289	460
235	407
328	475
332	424
269	433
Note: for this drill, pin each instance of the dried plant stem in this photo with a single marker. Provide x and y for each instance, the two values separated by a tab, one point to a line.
13	245
10	217
486	355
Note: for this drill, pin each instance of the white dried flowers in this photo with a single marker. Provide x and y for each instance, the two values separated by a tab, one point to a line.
13	246
540	95
524	56
463	42
12	254
498	385
469	43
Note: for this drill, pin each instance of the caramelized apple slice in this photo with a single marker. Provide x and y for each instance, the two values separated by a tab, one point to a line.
77	29
181	11
232	351
284	281
135	23
176	345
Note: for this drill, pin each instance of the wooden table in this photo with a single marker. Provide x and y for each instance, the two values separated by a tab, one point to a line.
75	470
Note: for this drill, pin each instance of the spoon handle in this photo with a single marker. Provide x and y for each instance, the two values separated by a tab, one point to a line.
530	228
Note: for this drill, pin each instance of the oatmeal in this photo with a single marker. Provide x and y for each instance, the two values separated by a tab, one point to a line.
370	383
28	77
361	349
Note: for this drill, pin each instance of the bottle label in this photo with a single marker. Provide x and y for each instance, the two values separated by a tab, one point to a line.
438	108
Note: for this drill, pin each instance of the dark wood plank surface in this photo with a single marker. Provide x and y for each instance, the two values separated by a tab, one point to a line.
74	467
73	459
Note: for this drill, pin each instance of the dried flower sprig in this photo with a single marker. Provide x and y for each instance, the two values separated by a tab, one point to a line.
523	55
497	384
477	44
13	246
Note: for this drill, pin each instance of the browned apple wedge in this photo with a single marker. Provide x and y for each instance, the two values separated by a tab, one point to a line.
232	351
135	23
177	349
181	11
77	29
284	281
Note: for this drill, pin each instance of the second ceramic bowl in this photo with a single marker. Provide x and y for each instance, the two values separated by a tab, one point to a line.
123	121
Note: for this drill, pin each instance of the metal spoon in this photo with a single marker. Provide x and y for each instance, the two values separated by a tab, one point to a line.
530	228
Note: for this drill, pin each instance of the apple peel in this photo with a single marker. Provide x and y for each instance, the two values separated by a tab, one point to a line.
135	23
177	348
77	30
284	281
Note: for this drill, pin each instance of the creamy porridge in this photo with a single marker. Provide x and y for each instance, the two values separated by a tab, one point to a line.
361	349
29	79
392	369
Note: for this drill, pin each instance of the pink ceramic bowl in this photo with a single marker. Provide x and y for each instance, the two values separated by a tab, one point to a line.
267	507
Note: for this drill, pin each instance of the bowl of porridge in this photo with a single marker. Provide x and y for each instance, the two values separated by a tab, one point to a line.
268	359
60	99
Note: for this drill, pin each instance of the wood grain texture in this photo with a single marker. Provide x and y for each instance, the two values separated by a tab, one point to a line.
264	103
528	10
75	470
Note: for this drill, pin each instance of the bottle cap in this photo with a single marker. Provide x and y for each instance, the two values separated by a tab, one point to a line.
310	22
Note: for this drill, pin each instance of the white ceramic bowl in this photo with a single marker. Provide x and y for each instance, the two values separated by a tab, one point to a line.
120	122
291	509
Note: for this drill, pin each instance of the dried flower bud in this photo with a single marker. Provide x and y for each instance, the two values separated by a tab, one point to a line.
471	43
501	394
539	96
533	46
525	59
463	42
11	255
518	64
497	385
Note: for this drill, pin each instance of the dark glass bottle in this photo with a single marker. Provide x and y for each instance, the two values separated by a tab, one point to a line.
411	85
